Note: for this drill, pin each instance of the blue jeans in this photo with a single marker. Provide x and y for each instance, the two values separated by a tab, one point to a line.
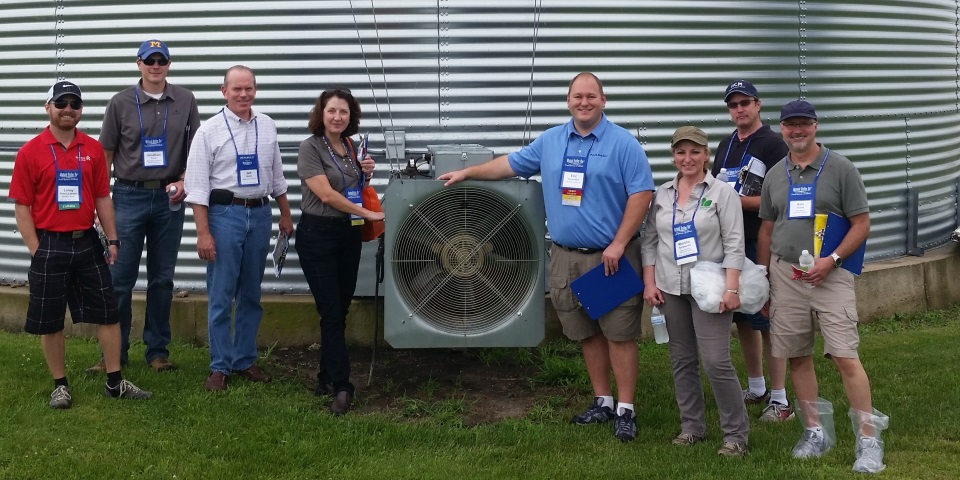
329	252
242	237
145	214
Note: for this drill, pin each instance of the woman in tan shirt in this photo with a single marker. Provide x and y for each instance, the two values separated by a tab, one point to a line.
695	217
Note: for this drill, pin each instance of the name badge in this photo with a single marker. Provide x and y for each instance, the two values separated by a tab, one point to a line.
248	170
733	177
68	189
800	201
353	194
685	245
573	177
154	152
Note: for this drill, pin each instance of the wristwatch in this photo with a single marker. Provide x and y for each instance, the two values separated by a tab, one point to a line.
837	261
115	243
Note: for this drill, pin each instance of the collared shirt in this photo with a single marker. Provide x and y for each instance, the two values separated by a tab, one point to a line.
33	182
839	190
719	225
213	157
766	145
121	130
314	159
616	168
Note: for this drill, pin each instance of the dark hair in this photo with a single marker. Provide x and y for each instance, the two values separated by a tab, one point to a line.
315	123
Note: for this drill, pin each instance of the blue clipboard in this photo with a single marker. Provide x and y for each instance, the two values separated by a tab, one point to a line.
599	294
837	228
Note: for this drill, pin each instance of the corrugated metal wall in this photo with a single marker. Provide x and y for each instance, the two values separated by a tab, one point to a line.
883	74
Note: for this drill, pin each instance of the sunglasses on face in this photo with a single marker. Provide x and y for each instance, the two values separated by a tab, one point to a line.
806	124
74	104
150	61
742	103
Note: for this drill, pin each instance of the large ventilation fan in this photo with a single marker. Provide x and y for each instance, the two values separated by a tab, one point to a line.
464	264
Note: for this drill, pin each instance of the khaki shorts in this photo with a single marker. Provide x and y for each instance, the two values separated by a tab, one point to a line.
794	305
620	325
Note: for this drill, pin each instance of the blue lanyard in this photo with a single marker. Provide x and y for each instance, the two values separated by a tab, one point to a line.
824	162
166	110
256	130
729	145
676	193
566	148
56	167
335	162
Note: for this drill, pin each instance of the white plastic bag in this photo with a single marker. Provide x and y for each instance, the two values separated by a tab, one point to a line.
708	282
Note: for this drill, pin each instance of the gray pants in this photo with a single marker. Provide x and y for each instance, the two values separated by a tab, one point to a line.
694	331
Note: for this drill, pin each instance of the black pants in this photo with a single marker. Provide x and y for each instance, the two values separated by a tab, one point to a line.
329	251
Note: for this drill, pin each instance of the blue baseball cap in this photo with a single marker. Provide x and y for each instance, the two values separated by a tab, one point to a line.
798	108
153	46
741	86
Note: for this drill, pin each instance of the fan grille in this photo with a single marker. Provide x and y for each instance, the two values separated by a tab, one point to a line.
464	260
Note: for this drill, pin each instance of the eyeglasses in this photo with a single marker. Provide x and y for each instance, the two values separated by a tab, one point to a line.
150	61
337	91
742	103
74	104
794	125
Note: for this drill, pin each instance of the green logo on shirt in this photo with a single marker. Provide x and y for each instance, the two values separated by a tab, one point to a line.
705	203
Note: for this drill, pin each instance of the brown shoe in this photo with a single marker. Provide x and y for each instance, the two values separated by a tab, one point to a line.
216	382
162	364
254	374
341	403
97	368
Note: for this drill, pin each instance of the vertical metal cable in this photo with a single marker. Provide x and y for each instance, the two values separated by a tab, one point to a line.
528	121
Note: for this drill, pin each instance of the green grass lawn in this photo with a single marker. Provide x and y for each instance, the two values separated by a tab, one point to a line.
281	431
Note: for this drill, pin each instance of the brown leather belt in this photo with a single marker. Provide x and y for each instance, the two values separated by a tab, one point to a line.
251	202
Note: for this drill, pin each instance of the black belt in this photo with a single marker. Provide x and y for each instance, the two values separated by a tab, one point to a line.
149	184
251	202
310	219
586	251
73	234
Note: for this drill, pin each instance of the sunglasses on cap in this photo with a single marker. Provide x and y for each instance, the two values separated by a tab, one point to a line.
61	104
150	61
742	103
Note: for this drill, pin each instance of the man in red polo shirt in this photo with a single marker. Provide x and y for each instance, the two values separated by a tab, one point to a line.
59	184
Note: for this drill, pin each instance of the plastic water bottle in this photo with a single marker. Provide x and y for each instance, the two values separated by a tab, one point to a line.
722	175
170	194
659	326
806	263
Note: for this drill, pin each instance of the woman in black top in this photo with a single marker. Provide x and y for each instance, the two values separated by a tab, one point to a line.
328	235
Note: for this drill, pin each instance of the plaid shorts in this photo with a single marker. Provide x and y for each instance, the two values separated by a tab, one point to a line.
67	271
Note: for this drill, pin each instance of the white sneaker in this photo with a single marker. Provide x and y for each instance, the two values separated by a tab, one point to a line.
869	456
810	445
60	398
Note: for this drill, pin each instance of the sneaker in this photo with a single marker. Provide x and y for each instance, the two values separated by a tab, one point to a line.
732	449
869	456
126	389
625	426
594	414
60	398
776	412
810	445
97	368
162	364
687	439
751	398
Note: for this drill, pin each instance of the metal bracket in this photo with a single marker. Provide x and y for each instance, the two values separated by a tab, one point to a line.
913	222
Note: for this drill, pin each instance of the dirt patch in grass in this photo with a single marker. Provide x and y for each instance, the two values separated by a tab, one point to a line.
468	386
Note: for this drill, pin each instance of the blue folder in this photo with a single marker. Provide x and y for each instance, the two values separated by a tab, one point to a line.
599	294
837	228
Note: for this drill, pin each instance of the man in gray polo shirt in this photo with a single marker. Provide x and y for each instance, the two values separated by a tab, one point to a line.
812	180
146	134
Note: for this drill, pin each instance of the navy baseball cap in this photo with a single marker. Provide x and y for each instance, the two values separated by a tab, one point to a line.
741	86
798	108
153	46
61	89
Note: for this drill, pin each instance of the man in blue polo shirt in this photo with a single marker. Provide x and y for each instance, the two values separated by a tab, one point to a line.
597	186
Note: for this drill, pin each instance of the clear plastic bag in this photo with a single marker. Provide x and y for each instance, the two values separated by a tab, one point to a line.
868	447
708	282
819	412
